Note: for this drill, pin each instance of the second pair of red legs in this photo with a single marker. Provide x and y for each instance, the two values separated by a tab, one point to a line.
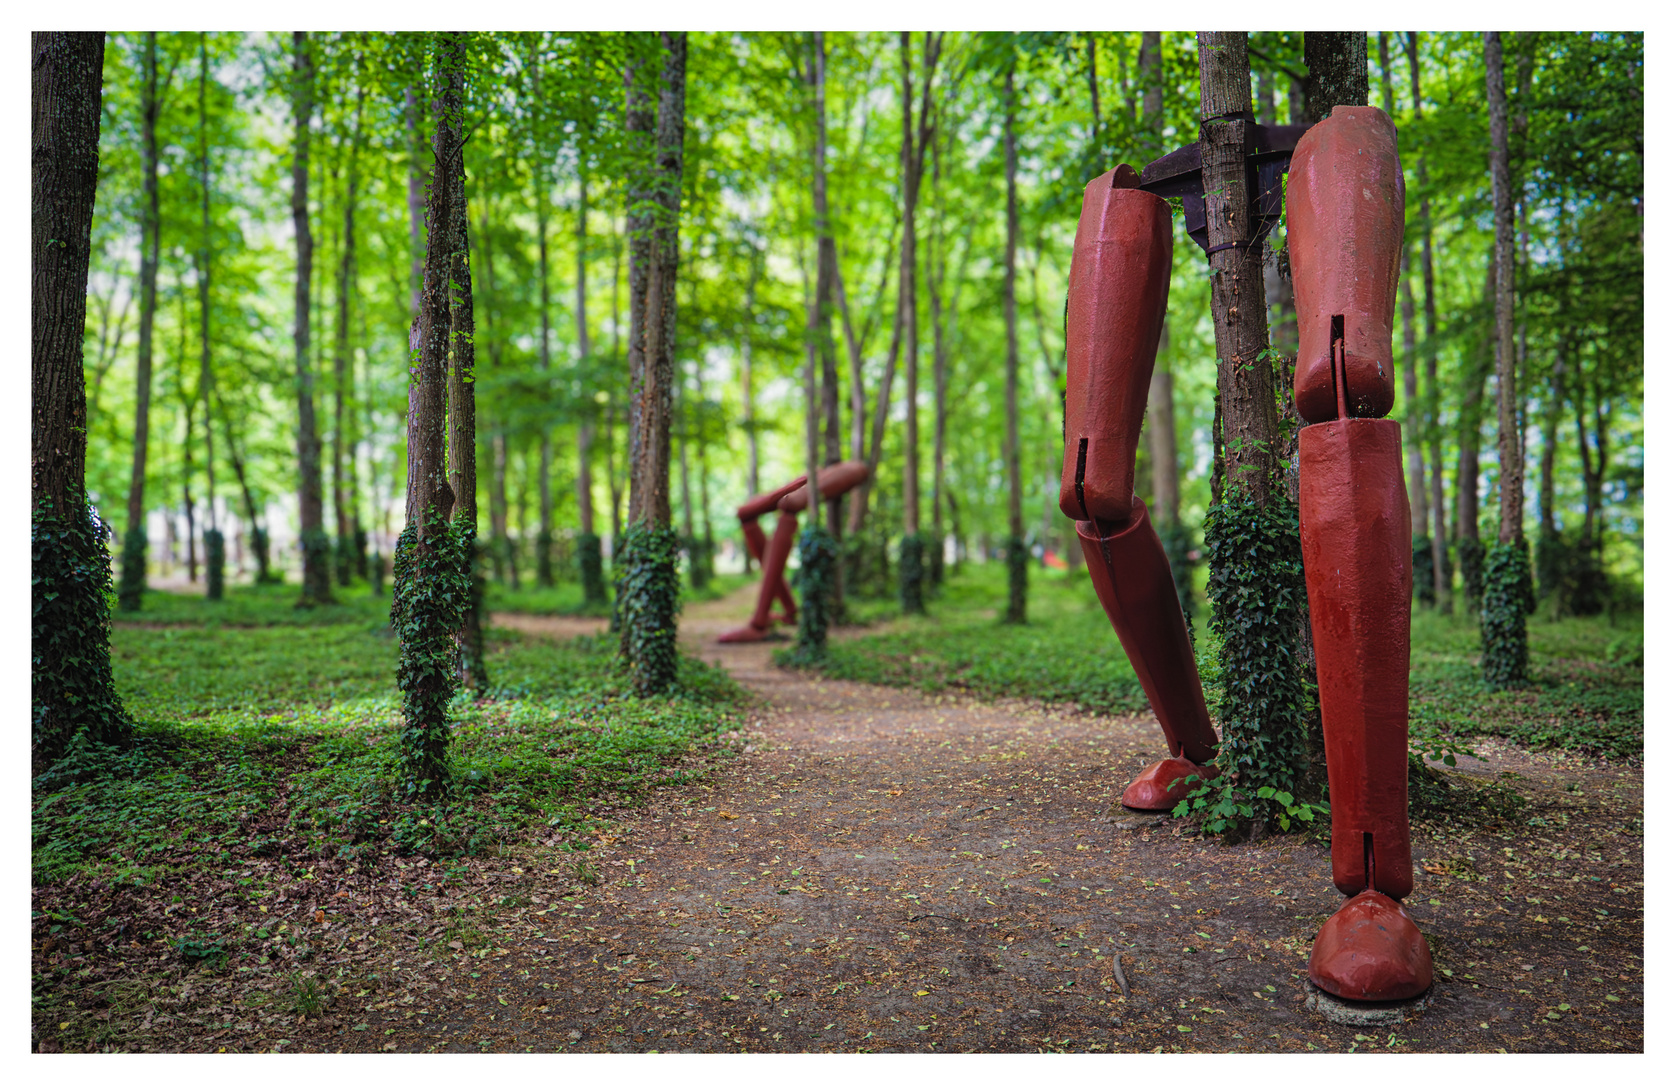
790	500
1346	207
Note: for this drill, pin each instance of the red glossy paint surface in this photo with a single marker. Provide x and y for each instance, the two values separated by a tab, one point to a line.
835	480
1346	209
1155	787
755	541
1118	294
1131	576
758	505
1371	950
772	571
1357	557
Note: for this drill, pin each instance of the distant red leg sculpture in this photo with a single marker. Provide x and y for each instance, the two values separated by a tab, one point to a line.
755	541
790	500
1346	213
1118	293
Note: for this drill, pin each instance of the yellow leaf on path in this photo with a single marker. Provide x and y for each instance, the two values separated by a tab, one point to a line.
728	816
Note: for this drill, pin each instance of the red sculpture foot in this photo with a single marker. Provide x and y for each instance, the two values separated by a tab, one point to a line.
1155	788
1371	950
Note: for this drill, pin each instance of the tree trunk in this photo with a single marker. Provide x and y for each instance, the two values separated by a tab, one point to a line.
1337	74
258	535
649	593
343	372
1505	585
316	548
432	585
132	589
214	559
1161	441
70	674
462	422
1413	429
638	121
1432	390
505	558
543	537
1466	536
1017	578
1249	421
936	266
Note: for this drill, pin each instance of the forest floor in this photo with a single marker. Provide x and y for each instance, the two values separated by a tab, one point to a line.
888	870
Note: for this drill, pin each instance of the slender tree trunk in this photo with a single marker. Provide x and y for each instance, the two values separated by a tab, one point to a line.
70	674
936	270
649	596
462	421
1413	433
543	538
505	560
1432	389
1161	439
1467	538
1510	445
638	120
1017	566
316	564
258	535
584	431
610	408
343	371
822	345
132	590
206	375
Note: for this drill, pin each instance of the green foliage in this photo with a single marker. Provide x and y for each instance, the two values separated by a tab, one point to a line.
912	574
866	570
432	590
648	591
71	687
543	559
344	559
1423	571
378	568
1505	603
934	550
1067	654
1017	581
215	564
818	553
297	750
1225	807
1256	599
130	594
700	562
589	560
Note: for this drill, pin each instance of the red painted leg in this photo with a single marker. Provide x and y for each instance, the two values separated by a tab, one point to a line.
772	581
1357	555
1131	575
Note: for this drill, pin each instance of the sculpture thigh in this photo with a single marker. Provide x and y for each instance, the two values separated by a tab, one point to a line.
773	569
1118	296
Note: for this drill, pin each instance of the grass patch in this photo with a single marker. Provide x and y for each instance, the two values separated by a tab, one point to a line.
258	605
282	742
566	598
1587	691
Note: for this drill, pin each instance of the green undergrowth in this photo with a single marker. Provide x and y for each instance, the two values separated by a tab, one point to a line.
1586	690
567	597
1066	652
283	743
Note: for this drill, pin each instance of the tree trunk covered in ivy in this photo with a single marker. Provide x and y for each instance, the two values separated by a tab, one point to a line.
431	586
1505	569
316	546
1256	590
131	594
73	694
648	584
462	432
1017	563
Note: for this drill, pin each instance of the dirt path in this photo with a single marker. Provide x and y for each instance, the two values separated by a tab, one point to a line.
884	871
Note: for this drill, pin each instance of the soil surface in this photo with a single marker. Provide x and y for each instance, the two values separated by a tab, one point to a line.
881	870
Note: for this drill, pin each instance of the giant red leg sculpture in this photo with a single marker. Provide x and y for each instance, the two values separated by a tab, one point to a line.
756	542
790	500
1346	209
1118	292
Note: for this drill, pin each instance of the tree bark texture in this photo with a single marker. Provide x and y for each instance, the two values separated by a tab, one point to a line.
132	590
639	121
1510	440
583	347
206	374
70	674
1237	291
1337	71
1016	595
316	560
343	434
